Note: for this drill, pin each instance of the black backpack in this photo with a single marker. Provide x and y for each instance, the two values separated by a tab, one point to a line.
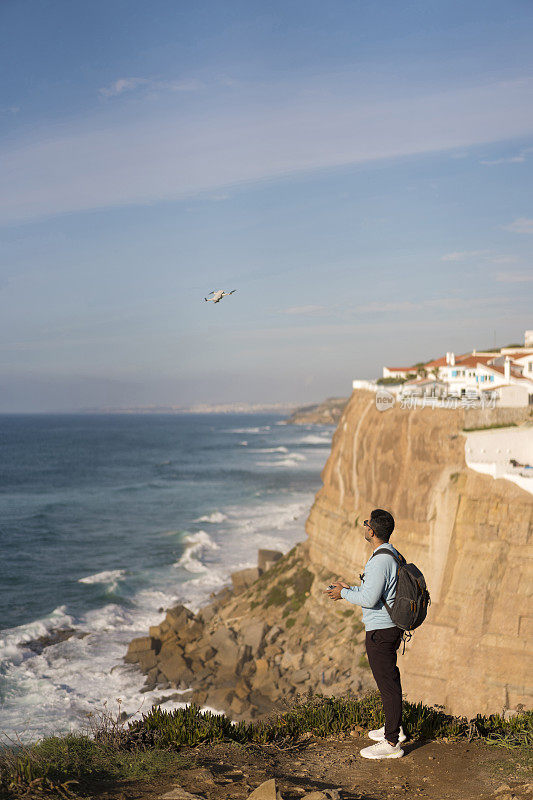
412	599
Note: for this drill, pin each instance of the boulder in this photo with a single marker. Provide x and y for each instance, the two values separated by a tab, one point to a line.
206	614
175	669
253	633
178	616
273	634
266	791
244	578
300	676
143	644
291	661
147	660
224	642
267	558
199	651
272	651
238	705
220	698
178	793
169	647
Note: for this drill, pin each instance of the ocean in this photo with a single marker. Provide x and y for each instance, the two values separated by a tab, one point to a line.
107	520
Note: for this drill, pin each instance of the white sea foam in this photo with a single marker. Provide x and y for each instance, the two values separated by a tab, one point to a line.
313	438
214	517
280	449
292	460
243	444
51	692
197	544
261	429
110	576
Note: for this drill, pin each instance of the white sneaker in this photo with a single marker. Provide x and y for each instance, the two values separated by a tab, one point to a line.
379	734
382	750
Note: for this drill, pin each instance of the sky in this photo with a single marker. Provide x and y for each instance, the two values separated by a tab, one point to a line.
360	172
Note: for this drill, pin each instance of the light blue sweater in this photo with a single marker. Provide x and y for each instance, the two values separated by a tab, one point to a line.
381	575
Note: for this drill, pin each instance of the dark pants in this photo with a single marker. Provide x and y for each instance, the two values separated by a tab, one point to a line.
381	647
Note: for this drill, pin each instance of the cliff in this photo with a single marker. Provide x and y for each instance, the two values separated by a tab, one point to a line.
470	535
274	635
328	412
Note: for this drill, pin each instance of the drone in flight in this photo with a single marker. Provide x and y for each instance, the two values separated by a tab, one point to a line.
218	294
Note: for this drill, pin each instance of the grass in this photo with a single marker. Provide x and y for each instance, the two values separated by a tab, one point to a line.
61	766
489	427
301	583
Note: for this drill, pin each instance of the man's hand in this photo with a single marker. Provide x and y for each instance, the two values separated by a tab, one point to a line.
335	593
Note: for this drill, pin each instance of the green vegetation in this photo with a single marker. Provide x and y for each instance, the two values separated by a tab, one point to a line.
148	746
494	425
64	766
387	381
301	584
363	661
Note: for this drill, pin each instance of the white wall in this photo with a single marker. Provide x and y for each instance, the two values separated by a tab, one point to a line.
514	396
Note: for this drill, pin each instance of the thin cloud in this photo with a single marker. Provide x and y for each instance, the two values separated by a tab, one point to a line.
177	153
443	303
303	310
463	255
130	84
517	159
503	259
514	277
122	85
520	225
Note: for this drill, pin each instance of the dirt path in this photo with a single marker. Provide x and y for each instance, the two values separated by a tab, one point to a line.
432	771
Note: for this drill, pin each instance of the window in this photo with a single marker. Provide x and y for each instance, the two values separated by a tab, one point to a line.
454	373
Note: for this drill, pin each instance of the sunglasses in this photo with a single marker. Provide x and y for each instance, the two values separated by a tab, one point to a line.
365	522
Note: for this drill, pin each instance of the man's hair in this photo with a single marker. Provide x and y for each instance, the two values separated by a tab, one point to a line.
382	523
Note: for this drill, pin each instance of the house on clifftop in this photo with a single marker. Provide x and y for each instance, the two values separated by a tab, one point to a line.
503	376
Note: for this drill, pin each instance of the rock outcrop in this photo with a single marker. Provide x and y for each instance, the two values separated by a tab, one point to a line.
274	634
470	534
256	646
328	412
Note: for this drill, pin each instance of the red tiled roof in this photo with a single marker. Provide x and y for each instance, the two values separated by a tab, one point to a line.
471	361
437	362
501	371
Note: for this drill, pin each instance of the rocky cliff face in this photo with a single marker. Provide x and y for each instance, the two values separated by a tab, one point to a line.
274	634
470	534
328	412
256	647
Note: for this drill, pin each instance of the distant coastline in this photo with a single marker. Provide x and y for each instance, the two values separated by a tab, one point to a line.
326	412
199	408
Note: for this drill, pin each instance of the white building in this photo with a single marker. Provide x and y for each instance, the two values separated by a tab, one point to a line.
398	372
506	375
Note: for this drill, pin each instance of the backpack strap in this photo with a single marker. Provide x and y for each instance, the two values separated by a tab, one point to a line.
399	560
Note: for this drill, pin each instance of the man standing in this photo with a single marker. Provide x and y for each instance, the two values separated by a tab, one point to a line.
382	637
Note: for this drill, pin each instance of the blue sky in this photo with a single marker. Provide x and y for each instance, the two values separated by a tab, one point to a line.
360	172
